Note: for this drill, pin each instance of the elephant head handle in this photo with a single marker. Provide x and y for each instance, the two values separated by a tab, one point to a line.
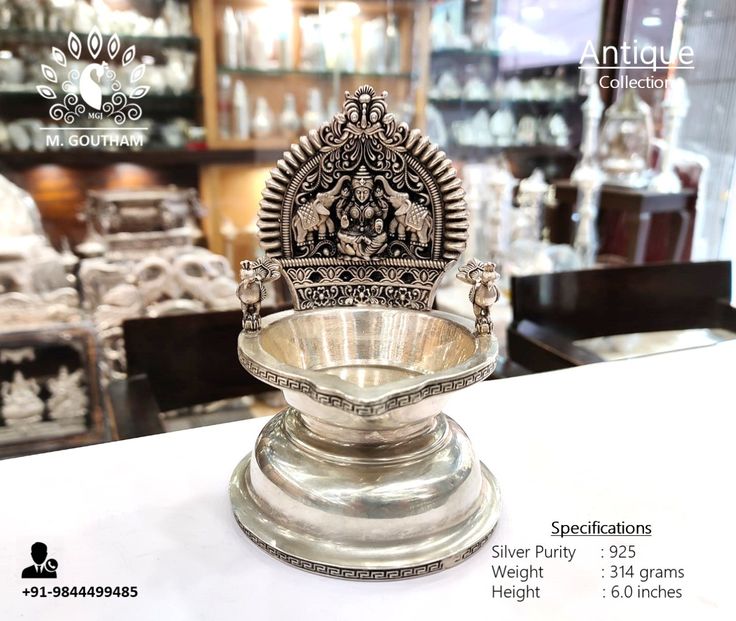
252	290
484	293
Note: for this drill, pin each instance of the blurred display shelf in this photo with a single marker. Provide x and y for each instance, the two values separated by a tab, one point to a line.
522	70
312	73
19	104
465	53
41	37
267	143
531	151
21	95
145	157
477	103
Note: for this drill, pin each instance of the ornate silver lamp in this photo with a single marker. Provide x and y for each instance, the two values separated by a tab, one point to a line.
363	476
625	141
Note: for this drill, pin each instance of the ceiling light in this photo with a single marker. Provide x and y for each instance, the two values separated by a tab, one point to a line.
651	21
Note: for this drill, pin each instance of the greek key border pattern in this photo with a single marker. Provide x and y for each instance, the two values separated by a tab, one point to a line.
349	573
390	403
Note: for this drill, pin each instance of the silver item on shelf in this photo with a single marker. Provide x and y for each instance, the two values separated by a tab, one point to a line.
476	89
241	116
262	124
314	115
588	181
501	184
530	217
502	128
136	221
436	128
36	283
592	110
68	401
229	38
16	356
526	130
224	106
174	280
289	122
447	87
625	141
312	51
557	130
21	404
675	107
48	388
373	45
150	265
588	177
392	48
362	476
241	47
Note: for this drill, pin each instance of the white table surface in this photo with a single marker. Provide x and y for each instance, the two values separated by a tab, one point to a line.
647	440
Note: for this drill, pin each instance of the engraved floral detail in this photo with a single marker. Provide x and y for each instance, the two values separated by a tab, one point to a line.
356	295
364	201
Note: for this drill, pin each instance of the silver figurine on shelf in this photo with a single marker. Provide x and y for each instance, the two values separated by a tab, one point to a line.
588	177
675	107
626	140
362	476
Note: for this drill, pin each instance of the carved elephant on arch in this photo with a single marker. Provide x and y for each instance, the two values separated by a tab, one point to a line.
314	216
410	217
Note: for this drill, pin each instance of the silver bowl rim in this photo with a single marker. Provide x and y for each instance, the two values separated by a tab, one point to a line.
333	390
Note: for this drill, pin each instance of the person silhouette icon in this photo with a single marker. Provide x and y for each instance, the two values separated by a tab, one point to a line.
41	568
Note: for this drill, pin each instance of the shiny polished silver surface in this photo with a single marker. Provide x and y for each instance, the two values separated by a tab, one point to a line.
374	513
362	476
366	362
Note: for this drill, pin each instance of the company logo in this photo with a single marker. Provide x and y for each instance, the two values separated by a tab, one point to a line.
86	89
43	567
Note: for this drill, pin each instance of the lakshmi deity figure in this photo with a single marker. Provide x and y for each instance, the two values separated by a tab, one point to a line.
68	398
21	403
362	216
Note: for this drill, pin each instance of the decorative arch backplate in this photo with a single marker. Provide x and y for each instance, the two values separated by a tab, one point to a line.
363	211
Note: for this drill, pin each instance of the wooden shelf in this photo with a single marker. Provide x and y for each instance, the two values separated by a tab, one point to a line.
41	37
465	53
25	103
477	103
22	96
533	151
269	143
312	73
160	158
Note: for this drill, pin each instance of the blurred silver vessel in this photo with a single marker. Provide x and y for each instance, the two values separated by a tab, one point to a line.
363	476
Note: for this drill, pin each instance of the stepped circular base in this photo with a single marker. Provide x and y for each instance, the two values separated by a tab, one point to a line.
366	559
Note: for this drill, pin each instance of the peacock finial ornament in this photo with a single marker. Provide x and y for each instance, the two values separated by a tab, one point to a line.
483	293
252	291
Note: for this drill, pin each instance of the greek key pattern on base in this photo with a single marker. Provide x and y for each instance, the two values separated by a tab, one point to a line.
374	409
349	573
473	549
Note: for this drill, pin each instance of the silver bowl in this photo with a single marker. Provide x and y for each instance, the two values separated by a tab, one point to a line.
363	476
